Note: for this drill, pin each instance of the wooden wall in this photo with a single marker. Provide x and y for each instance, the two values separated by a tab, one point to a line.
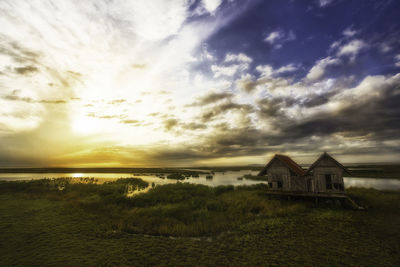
327	166
279	172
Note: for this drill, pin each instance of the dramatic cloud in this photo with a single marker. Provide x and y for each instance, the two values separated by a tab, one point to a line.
211	98
352	48
209	82
318	70
220	109
25	70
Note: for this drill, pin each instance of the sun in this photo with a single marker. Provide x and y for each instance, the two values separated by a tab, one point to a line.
85	125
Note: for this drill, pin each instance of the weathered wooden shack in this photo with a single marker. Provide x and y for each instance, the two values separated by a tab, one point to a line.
284	174
324	175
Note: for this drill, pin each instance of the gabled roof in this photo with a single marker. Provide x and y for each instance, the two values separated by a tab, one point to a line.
287	161
326	155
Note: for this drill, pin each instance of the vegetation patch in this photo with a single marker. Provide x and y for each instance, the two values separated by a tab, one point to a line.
176	176
42	224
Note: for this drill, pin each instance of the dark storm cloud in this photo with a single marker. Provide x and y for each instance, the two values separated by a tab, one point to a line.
25	70
193	126
176	125
372	118
53	101
17	52
248	85
116	101
169	124
131	122
14	97
375	117
222	108
317	100
273	107
211	98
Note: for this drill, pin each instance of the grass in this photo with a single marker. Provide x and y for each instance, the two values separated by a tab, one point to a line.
55	222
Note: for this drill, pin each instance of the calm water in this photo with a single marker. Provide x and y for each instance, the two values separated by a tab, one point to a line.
219	178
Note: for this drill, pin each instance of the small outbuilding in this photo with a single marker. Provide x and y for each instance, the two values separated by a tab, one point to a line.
324	175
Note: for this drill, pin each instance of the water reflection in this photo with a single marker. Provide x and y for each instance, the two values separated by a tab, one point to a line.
219	178
380	184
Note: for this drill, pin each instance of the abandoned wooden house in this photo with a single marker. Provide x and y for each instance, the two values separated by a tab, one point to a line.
324	175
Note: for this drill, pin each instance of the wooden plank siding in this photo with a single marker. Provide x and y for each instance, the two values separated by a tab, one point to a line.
324	175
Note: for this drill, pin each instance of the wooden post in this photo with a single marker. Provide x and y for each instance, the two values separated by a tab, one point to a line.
316	201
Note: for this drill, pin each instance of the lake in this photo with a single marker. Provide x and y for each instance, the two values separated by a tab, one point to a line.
219	178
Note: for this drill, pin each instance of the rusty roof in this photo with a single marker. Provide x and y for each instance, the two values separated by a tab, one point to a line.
291	164
327	156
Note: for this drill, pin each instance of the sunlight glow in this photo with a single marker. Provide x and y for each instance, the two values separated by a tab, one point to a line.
85	125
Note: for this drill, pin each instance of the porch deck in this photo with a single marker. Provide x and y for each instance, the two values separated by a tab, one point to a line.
317	195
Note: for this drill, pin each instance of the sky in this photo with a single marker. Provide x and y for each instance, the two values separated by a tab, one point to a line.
198	82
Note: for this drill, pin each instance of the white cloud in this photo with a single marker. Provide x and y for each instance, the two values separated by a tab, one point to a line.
324	3
369	87
273	37
288	68
211	5
352	48
102	41
229	71
349	32
318	70
397	58
265	70
335	44
237	58
385	47
277	38
269	71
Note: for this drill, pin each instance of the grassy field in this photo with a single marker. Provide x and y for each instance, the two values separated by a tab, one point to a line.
58	223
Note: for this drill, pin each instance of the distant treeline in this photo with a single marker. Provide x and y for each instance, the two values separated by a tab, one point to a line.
375	171
100	170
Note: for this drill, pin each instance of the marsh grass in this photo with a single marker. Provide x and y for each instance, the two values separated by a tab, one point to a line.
186	224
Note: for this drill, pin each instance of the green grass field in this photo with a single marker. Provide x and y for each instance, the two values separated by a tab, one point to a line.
185	224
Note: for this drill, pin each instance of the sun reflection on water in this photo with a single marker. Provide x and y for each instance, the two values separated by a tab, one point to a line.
77	175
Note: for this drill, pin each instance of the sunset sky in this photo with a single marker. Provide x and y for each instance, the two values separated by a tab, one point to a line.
197	82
